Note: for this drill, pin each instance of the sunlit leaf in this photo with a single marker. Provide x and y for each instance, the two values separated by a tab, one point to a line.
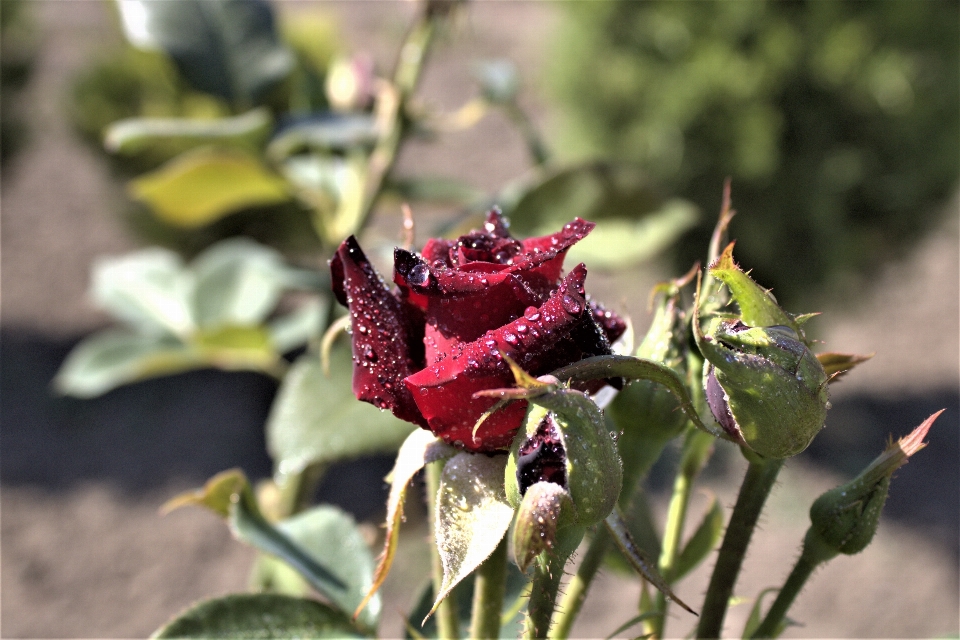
331	537
837	365
419	449
206	184
316	417
131	136
148	289
472	515
237	282
236	348
114	357
228	48
262	616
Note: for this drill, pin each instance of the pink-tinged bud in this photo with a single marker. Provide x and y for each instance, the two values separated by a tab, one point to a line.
844	519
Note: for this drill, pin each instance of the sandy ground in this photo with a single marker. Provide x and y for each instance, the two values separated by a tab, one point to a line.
84	552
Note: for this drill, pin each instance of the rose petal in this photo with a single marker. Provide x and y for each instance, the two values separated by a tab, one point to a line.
383	334
444	390
611	323
544	255
460	305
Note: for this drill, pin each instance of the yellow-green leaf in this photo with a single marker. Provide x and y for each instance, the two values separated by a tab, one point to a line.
206	184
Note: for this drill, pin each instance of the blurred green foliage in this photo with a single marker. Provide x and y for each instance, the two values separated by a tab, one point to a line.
18	45
837	121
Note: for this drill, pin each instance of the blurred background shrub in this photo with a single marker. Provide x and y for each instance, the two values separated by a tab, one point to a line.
18	45
837	121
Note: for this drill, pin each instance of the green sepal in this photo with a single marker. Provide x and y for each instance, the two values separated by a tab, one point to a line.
594	474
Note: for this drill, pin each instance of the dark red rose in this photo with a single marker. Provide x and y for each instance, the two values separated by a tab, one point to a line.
423	350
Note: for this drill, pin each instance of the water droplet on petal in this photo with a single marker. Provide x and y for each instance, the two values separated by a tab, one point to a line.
571	305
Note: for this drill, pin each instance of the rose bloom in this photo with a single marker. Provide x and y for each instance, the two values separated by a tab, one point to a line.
423	350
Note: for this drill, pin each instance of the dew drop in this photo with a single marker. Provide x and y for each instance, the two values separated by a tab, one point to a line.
531	314
571	305
511	338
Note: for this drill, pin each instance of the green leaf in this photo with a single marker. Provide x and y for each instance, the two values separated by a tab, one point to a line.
634	223
261	616
114	357
317	419
298	327
701	543
638	559
419	449
328	132
756	612
229	495
235	348
131	136
238	282
331	538
228	48
206	184
473	515
249	525
148	289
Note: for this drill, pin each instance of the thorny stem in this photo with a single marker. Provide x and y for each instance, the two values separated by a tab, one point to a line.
448	624
576	590
759	479
802	570
409	66
488	593
547	571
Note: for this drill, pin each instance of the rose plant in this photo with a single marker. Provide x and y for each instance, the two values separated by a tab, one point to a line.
504	366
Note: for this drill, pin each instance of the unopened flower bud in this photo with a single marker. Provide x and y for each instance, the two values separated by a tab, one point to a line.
544	506
764	386
844	519
564	440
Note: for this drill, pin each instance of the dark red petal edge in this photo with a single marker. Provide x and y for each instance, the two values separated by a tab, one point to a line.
384	338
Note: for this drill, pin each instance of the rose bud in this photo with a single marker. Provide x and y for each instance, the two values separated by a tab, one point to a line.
565	442
765	388
844	519
425	349
538	520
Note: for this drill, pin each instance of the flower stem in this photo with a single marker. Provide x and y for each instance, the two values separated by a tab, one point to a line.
406	75
576	591
697	447
448	623
488	593
814	553
547	571
759	479
673	530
